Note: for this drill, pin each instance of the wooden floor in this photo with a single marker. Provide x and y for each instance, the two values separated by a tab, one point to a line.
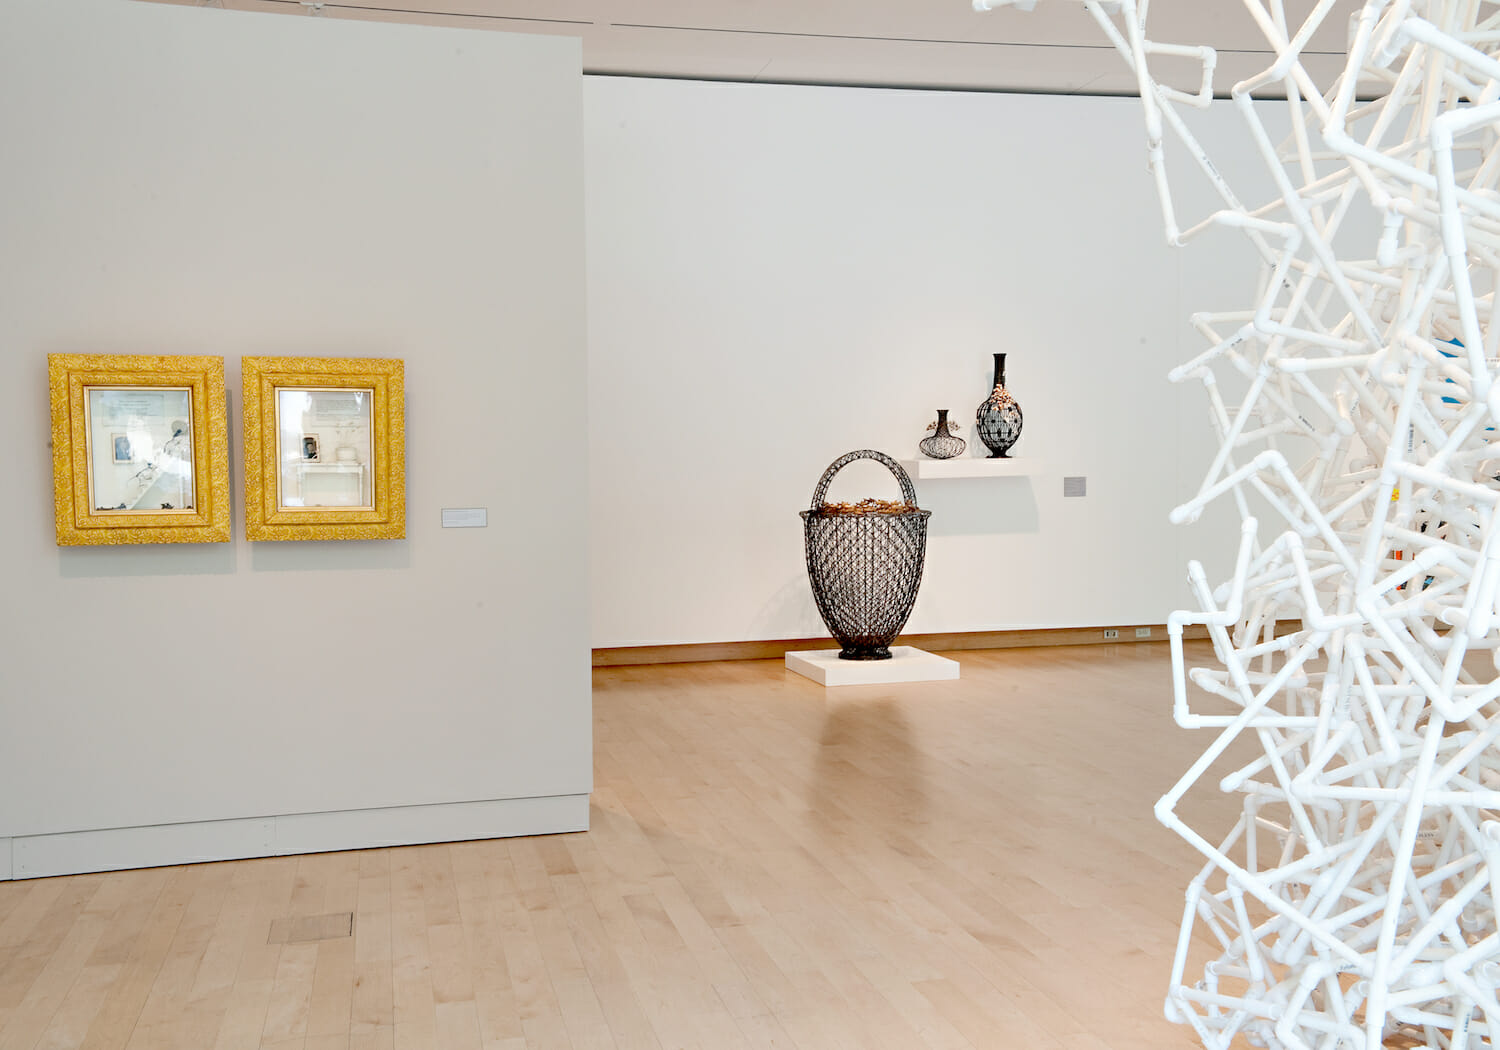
965	864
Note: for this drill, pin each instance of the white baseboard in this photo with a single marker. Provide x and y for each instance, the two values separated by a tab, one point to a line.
113	849
455	822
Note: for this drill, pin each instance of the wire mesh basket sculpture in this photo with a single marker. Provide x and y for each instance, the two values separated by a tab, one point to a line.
865	561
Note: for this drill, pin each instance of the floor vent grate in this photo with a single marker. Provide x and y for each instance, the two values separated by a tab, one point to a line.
297	928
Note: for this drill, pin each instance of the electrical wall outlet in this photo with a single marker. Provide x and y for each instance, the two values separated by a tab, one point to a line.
1143	632
1110	632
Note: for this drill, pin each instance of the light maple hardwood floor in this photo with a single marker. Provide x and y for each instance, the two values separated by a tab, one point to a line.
960	865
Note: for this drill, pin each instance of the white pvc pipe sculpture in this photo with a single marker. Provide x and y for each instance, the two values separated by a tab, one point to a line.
1353	903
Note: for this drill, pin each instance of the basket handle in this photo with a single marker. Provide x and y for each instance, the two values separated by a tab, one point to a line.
908	493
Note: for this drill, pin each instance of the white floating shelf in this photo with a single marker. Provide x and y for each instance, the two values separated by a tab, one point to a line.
970	467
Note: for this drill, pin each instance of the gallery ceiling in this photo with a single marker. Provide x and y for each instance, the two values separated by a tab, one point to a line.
899	43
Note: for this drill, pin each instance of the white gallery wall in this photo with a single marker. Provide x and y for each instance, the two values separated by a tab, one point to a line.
779	275
194	181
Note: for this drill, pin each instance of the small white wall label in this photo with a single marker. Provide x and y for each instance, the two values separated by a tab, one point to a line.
1075	486
465	517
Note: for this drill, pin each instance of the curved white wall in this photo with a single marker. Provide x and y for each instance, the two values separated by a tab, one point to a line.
778	275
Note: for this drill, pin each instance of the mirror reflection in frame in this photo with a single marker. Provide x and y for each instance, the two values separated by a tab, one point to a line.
324	448
140	449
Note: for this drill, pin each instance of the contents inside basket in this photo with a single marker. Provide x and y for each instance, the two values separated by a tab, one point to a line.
869	506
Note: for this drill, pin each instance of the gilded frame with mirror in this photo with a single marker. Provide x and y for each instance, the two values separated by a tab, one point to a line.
140	449
325	448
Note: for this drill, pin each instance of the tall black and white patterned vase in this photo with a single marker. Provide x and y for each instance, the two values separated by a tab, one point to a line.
944	443
999	417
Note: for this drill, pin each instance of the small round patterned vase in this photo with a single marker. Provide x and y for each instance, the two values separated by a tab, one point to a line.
944	443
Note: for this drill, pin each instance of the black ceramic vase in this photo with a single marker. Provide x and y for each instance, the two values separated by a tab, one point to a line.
944	443
999	417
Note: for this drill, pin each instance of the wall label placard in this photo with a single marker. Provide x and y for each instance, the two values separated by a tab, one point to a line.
466	517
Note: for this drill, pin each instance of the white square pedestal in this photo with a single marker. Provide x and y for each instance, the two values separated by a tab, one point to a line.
906	664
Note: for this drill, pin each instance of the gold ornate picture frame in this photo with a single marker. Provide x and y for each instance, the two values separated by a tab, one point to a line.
140	449
325	448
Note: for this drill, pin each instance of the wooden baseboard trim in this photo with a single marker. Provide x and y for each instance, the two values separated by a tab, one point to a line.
635	655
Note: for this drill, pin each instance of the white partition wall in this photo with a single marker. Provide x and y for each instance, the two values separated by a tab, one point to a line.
196	181
779	275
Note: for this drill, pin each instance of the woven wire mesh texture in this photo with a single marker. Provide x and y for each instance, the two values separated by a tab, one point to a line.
865	568
998	420
944	442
